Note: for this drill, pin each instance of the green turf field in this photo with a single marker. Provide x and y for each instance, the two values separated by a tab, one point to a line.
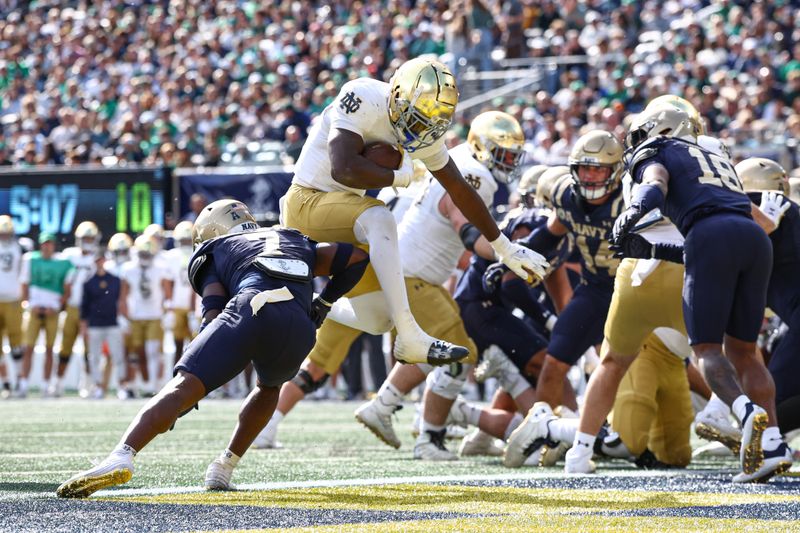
333	473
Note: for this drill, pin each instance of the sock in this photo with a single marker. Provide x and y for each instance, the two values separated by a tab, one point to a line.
124	449
514	424
229	458
771	438
427	426
277	417
388	398
715	404
472	413
739	407
563	429
584	441
23	384
514	383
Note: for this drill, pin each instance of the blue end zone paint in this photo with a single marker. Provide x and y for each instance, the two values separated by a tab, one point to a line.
74	516
748	511
683	481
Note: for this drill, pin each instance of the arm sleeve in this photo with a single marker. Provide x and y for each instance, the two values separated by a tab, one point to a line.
543	241
344	277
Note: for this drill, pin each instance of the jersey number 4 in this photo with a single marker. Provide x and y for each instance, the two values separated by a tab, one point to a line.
716	170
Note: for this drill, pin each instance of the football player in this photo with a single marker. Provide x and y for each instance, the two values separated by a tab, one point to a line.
490	155
724	292
526	188
145	289
257	306
45	291
766	183
10	292
326	199
82	257
585	207
119	248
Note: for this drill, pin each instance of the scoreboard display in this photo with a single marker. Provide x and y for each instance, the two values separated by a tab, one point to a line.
57	200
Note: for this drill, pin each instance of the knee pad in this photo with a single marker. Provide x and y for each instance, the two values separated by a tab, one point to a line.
306	382
447	381
16	353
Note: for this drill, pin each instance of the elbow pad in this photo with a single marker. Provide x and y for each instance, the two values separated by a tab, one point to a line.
469	235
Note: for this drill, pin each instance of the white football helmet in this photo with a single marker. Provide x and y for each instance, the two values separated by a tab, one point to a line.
87	236
6	228
146	248
526	188
221	218
182	234
761	174
596	149
119	245
668	121
680	103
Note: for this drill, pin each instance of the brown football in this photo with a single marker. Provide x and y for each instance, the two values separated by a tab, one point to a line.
383	154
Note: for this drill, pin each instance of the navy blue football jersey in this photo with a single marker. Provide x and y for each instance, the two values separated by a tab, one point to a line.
231	261
591	226
700	182
786	238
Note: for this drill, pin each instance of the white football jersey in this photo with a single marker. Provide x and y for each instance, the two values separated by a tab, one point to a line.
145	295
10	264
429	246
362	107
178	263
83	269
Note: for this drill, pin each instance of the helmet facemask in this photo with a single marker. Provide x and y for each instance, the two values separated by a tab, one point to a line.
594	190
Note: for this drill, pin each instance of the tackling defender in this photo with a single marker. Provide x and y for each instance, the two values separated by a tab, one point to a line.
326	199
257	292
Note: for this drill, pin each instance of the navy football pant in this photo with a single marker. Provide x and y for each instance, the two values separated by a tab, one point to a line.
487	323
276	340
580	324
728	261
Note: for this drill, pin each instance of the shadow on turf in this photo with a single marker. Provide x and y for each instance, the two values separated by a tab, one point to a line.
28	486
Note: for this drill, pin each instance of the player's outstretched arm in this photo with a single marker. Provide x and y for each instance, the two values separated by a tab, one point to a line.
352	169
524	262
345	264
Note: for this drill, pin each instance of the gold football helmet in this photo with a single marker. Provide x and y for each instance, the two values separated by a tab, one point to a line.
760	174
547	184
146	248
87	236
422	101
526	188
182	234
221	218
669	121
6	228
597	148
120	245
685	105
496	140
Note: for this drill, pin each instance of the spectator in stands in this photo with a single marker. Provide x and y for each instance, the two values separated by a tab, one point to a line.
197	202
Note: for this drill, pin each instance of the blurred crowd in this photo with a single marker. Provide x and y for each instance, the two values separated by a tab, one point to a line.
178	83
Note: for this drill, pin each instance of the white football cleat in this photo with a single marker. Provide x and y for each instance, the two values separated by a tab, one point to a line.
115	469
218	476
775	462
534	459
579	461
531	435
495	362
378	422
426	349
481	443
751	454
716	426
430	447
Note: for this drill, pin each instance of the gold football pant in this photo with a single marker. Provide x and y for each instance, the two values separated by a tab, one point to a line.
653	408
11	322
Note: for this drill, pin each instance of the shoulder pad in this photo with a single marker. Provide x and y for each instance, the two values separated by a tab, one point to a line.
562	186
645	151
196	262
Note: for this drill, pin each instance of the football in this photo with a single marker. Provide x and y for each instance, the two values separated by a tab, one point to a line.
383	154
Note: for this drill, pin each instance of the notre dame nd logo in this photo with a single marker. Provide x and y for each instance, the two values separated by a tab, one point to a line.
350	102
473	180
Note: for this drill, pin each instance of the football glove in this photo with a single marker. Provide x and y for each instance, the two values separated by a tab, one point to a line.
319	310
625	223
523	261
404	175
633	245
774	205
493	277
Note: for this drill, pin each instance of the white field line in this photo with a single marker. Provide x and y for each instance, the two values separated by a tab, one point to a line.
331	483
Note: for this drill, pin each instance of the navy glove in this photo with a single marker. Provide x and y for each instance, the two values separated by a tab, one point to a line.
493	277
319	310
632	245
625	223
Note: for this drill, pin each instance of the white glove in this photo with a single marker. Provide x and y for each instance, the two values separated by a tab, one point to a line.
405	174
168	320
124	325
774	205
523	261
